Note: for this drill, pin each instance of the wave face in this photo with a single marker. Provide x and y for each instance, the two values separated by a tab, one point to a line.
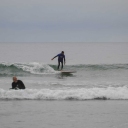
110	93
104	66
22	69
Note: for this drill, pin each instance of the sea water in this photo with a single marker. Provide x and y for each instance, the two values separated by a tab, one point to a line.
101	74
101	70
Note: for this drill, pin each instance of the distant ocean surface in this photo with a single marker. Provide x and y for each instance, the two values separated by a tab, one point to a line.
101	71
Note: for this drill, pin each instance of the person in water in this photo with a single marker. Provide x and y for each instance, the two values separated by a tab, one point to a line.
61	57
17	84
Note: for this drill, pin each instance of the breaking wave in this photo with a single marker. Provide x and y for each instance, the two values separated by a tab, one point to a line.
22	69
110	93
7	69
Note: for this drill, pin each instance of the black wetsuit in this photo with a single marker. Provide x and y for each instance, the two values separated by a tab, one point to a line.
60	60
18	85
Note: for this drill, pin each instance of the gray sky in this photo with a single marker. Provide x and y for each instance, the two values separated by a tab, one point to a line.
63	20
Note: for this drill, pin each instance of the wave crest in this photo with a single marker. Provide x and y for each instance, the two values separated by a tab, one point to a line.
8	69
22	69
111	93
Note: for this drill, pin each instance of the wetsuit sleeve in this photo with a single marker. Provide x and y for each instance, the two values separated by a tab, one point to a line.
13	85
55	56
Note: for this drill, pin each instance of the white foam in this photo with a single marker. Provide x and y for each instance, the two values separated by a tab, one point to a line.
120	93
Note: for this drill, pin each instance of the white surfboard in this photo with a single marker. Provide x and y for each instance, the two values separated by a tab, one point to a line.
67	72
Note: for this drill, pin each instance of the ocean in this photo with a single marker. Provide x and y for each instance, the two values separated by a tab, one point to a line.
88	98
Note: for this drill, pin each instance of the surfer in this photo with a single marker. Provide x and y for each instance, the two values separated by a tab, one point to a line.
17	84
61	57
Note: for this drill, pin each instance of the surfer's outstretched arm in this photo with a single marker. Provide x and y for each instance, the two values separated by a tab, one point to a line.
54	57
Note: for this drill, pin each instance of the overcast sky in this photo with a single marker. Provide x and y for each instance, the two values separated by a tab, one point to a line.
63	20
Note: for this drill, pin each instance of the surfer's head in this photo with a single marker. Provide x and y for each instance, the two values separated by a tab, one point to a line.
14	79
62	52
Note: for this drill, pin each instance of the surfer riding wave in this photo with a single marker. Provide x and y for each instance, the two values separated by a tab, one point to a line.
61	57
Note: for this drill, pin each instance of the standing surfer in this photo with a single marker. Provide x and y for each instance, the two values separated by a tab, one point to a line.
61	57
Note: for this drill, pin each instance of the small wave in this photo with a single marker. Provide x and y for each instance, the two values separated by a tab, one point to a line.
96	66
11	69
111	93
35	68
103	66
